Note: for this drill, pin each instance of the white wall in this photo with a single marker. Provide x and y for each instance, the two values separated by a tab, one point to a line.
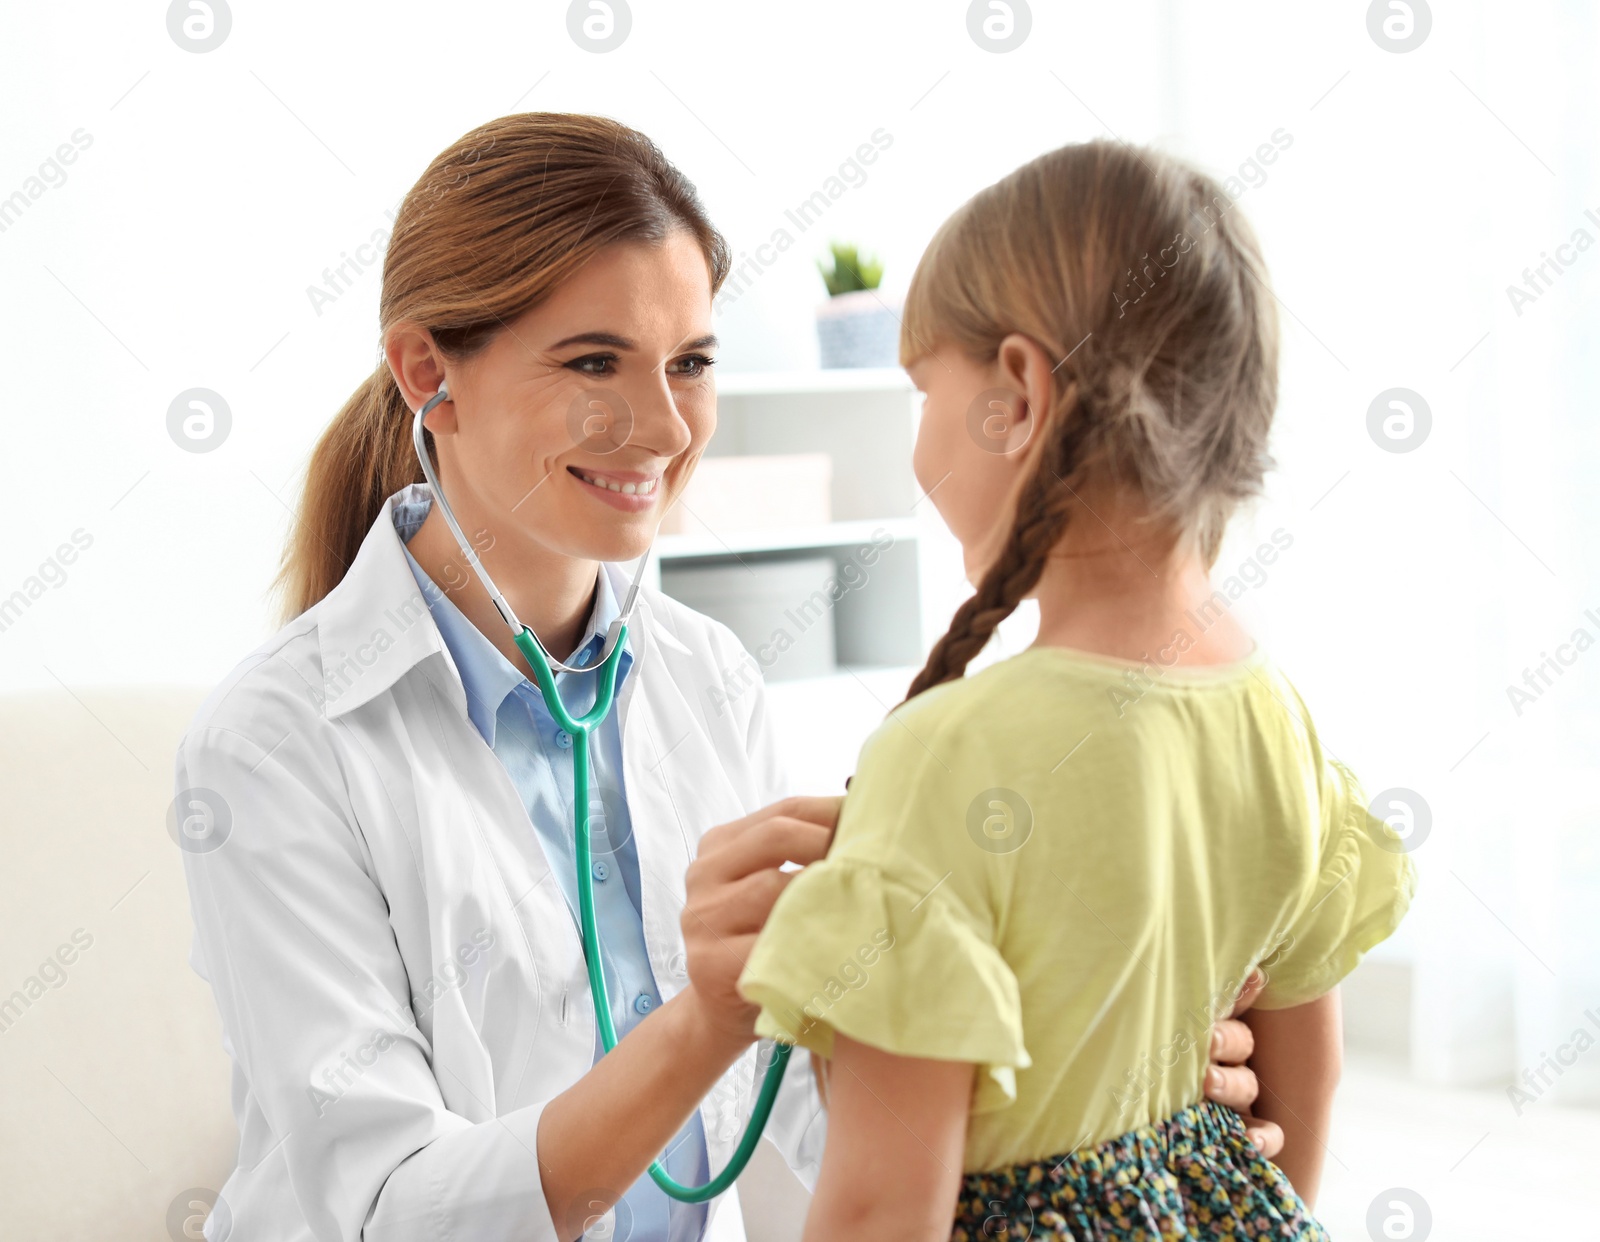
215	188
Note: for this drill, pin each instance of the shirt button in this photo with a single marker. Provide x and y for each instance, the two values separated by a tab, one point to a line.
599	870
563	739
642	1003
678	965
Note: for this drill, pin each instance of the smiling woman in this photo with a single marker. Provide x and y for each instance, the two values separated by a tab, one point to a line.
554	276
549	195
568	447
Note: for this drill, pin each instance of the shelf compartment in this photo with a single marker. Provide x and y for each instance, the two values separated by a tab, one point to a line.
874	606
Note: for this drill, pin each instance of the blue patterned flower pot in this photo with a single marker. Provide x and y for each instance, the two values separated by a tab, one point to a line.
860	329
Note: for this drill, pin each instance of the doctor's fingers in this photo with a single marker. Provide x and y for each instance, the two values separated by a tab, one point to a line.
1232	1086
812	809
768	843
1232	1042
821	811
737	907
1266	1135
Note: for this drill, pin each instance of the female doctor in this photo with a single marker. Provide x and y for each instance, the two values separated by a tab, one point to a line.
383	882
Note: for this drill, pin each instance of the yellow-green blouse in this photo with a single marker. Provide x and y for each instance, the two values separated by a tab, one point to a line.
1060	868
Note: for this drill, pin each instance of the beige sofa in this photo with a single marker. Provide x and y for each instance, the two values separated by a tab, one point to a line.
115	1122
112	1075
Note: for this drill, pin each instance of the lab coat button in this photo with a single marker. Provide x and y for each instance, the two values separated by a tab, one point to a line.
563	739
599	870
642	1003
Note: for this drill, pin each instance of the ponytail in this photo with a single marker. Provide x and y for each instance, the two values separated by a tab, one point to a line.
363	458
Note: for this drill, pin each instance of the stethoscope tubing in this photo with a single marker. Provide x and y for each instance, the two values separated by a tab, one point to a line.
580	728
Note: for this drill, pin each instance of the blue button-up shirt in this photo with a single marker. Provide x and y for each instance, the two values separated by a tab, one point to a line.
510	713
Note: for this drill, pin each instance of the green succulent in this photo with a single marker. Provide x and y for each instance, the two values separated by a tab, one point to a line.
850	272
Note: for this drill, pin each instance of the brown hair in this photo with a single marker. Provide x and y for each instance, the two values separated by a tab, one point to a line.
498	221
1135	270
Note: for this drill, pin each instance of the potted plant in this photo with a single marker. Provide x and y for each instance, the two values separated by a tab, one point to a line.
856	327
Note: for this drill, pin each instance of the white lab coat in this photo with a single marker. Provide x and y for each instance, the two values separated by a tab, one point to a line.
401	985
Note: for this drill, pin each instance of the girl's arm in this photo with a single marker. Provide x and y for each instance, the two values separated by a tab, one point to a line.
1298	1056
897	1131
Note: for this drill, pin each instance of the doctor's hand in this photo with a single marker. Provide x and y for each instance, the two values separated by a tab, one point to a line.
730	889
1232	1083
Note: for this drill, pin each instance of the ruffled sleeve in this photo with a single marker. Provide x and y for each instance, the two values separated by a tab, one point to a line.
850	948
1364	886
891	939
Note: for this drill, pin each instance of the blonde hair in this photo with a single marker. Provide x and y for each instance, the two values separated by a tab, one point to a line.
1137	273
495	224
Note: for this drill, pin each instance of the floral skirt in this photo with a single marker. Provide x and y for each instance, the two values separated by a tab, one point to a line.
1193	1176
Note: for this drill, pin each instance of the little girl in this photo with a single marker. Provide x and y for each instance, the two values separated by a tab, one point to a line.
1049	878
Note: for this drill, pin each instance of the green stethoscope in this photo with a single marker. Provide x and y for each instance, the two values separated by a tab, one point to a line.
580	728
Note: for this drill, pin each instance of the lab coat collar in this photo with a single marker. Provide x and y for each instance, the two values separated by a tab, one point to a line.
375	627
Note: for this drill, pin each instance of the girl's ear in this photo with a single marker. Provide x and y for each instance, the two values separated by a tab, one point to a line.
1025	368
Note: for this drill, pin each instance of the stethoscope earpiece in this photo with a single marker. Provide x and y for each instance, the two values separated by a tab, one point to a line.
442	395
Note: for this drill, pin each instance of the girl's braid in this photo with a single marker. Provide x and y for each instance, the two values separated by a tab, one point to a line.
1042	509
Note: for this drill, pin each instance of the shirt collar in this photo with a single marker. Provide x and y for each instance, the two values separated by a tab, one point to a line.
486	675
375	626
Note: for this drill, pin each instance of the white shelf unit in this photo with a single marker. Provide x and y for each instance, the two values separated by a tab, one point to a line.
866	422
